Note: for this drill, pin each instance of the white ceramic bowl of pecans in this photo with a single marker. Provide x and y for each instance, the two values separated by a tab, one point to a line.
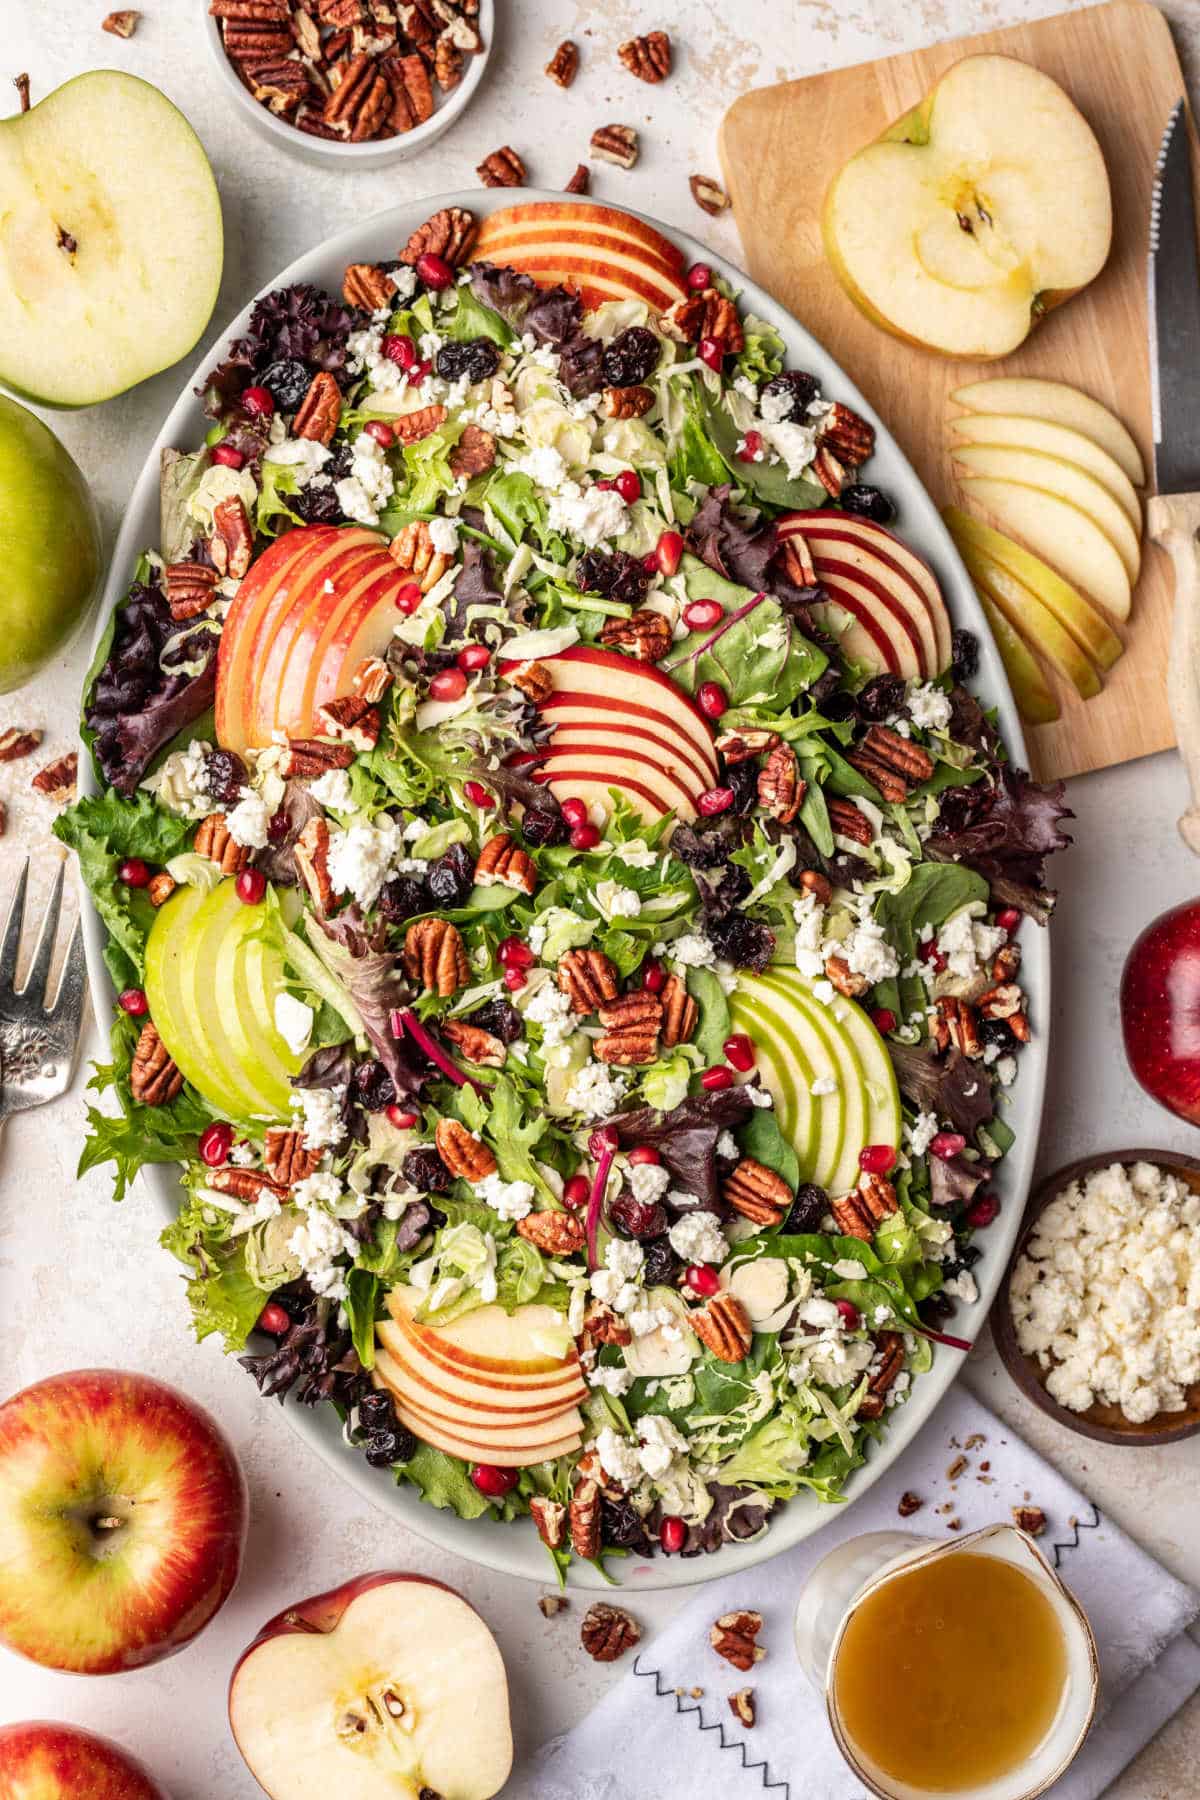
363	83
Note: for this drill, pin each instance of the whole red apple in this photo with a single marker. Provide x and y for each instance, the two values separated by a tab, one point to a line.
122	1520
1160	1010
42	1760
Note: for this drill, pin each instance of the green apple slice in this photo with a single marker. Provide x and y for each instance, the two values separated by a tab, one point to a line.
812	1124
1052	439
1033	468
173	1011
988	553
1035	701
206	1005
1061	404
249	978
1060	532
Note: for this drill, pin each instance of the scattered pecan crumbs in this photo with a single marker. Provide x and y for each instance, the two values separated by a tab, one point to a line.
909	1503
608	1632
564	64
550	1605
580	181
741	1705
734	1636
503	168
956	1468
21	83
708	194
121	24
616	144
1030	1519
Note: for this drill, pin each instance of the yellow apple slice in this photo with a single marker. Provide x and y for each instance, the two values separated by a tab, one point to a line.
1035	701
1059	441
1090	630
1061	405
1032	468
1060	532
1035	622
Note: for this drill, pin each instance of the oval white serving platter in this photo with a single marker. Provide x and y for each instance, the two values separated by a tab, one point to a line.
515	1549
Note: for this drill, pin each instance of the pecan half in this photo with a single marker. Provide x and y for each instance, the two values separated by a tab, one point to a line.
616	144
851	1219
564	64
361	101
1029	1519
534	680
434	955
320	410
286	1156
644	634
412	549
311	853
247	1185
797	563
588	979
845	979
1004	1001
648	57
890	1346
474	453
829	471
214	841
627	402
503	168
957	1023
741	1705
16	744
411	427
411	94
849	822
371	680
849	436
601	1325
708	194
818	885
121	24
153	1078
475	1044
159	888
608	1632
584	1519
448	62
447	233
465	1155
733	1636
858	1213
281	84
349	719
631	1025
705	315
892	762
580	182
191	588
553	1233
310	757
367	286
232	542
680	1014
57	780
758	1193
1005	963
307	35
254	41
505	864
781	790
550	1518
723	1327
739	746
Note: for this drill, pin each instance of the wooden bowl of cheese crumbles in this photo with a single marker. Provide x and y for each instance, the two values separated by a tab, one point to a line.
1098	1317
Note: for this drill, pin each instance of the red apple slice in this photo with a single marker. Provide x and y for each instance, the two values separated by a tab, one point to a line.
386	1688
513	1455
423	1389
882	621
580	725
44	1760
585	675
473	1387
653	787
878	554
529	1435
598	251
490	1340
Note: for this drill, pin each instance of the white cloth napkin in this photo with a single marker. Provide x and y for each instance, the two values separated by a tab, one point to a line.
647	1741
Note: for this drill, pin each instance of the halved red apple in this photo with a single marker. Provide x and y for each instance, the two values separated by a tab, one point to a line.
598	251
313	606
900	625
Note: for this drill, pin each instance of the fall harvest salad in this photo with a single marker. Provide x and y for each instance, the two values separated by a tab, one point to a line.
563	896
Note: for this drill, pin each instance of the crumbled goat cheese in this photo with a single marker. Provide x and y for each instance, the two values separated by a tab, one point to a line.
543	465
181	784
796	444
332	791
443	536
965	943
316	1243
624	1258
591	514
293	1022
361	857
773	409
614	1381
921	1133
304	456
727	1145
320	1112
928	707
642	1320
962	1287
692	951
510	1199
617	902
823	1085
757	1096
850	1269
868	952
248	823
595	1091
809	915
370	483
661	1442
551	1009
618	1458
698	1238
649	1182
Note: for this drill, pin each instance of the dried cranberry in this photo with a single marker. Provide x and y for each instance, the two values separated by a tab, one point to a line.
375	1411
964	651
742	941
641	1219
499	1018
936	1310
621	1526
807	1210
402	898
383	1448
452	876
867	503
478	360
880	697
661	1265
618	576
287	383
800	389
700	849
226	776
317	505
372	1086
424	1170
995	1031
540	828
631	357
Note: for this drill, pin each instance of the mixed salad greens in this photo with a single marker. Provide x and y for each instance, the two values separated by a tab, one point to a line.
402	1087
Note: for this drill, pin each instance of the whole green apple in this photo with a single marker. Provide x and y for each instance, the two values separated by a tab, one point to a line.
49	545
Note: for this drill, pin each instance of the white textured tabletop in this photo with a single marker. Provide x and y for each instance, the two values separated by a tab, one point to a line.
83	1283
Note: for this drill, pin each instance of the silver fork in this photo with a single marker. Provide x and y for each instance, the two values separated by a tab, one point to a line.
38	1040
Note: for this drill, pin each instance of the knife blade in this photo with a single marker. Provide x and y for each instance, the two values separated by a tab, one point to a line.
1173	312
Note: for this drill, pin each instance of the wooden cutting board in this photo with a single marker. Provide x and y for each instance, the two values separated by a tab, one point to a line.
780	147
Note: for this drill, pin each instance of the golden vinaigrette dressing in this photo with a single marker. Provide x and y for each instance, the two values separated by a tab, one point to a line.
951	1675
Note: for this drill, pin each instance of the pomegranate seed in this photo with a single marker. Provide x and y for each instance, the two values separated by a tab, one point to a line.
699	276
448	684
849	1314
751	446
408	596
383	434
216	1141
273	1319
715	800
668	551
134	1002
434	271
981	1212
576	1191
514	980
399	349
650	562
654	976
401	1118
709	351
644	1154
574	812
419	371
490	1480
876	1159
929	952
716	1078
702	1280
740	1051
672	1535
584	837
475	656
259	401
515	953
251	887
628	485
134	872
278	826
700	614
947	1144
1008	918
884	1020
712	699
476	795
227	456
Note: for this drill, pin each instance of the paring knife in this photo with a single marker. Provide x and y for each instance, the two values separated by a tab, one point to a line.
1173	515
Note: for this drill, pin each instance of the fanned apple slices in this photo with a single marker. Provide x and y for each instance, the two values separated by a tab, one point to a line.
601	253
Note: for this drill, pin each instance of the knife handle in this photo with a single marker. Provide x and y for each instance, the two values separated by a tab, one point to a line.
1174	522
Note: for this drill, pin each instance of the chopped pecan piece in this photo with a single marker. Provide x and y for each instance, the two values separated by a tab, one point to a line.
645	635
550	1605
708	194
313	125
349	719
631	1025
580	182
601	1325
361	101
447	234
1006	963
475	1044
342	15
465	1155
733	1636
816	884
797	563
367	286
757	1193
890	1346
286	1156
849	822
57	780
553	1233
616	144
850	1219
153	1078
191	588
680	1014
371	679
584	1519
232	542
739	746
505	864
447	63
307	35
648	57
310	757
121	24
474	453
1001	1002
550	1518
311	855
588	979
845	979
503	168
741	1705
320	410
705	315
534	680
608	1632
1029	1519
564	64
723	1327
780	788
412	549
909	1503
16	744
434	955
877	1196
411	427
849	437
159	888
957	1023
627	402
214	841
